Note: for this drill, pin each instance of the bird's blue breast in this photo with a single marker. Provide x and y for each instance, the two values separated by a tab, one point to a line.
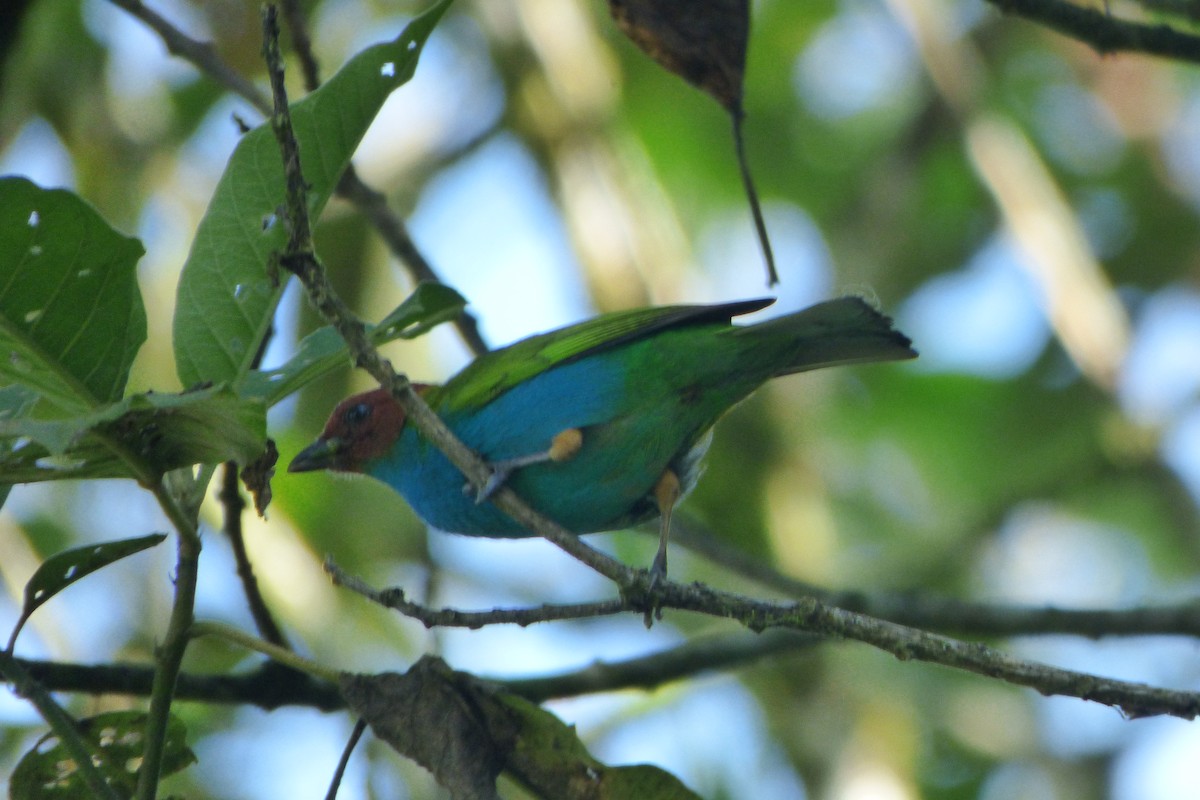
582	394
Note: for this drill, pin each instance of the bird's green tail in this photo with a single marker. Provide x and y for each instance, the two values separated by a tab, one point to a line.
842	331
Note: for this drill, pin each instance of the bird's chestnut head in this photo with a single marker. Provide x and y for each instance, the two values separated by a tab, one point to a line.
361	429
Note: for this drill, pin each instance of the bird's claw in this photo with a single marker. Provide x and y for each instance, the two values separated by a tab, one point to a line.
497	478
658	576
499	474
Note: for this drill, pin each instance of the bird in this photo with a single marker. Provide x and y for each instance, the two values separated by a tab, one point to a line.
600	425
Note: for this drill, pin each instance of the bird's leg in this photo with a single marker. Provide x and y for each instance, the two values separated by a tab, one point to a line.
666	494
563	447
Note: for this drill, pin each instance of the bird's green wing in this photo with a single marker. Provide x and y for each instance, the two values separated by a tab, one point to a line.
494	373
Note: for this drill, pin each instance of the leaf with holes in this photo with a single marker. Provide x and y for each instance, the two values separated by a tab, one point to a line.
324	350
48	772
226	298
71	315
163	431
63	569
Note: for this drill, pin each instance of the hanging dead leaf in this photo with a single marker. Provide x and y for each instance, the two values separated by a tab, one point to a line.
466	731
257	477
703	42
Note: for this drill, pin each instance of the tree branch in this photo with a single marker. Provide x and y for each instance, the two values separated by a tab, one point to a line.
794	625
300	259
812	616
268	687
271	686
369	202
373	205
947	614
695	656
234	504
809	615
200	54
818	619
293	15
395	599
1104	33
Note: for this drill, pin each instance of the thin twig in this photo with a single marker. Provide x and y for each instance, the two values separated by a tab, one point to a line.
1104	33
360	727
293	15
234	505
263	688
812	616
169	654
373	205
178	496
810	619
299	259
947	614
760	224
15	672
268	687
453	618
369	202
202	55
276	653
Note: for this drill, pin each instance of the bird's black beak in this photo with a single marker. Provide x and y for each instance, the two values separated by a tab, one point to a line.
321	454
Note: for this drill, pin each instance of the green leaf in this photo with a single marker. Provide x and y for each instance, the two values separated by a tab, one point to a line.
71	315
62	569
49	772
324	350
549	756
16	401
226	299
166	431
73	751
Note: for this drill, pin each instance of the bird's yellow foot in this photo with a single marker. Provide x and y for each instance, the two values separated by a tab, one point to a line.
563	447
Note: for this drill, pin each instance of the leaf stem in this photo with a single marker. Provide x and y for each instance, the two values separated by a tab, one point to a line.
760	223
273	651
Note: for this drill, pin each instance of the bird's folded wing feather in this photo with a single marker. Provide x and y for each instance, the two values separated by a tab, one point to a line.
493	374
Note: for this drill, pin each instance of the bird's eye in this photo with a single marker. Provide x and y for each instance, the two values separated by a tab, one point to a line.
357	414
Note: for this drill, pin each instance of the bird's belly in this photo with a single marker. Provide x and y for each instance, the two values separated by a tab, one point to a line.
587	495
606	486
632	432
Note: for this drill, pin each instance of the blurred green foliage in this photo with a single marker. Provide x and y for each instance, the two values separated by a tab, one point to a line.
1033	482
